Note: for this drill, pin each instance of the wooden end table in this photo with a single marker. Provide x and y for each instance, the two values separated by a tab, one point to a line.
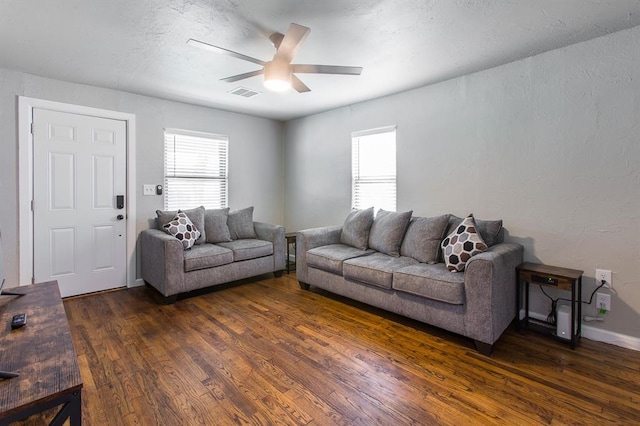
550	276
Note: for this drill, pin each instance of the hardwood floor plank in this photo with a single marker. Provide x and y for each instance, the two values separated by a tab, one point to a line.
265	352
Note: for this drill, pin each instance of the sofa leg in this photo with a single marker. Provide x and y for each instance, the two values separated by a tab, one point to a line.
483	348
304	286
170	300
278	274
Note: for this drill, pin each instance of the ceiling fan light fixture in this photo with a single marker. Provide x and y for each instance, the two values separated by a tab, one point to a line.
277	76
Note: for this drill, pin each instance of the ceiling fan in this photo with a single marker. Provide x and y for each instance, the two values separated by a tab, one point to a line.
278	72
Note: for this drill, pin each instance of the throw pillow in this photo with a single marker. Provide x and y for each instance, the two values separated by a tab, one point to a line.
423	237
387	231
490	230
215	225
196	216
183	229
240	224
355	231
461	244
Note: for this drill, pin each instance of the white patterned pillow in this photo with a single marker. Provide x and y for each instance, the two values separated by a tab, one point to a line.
183	229
461	244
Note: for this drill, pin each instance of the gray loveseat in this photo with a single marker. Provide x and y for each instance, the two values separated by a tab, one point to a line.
231	247
400	268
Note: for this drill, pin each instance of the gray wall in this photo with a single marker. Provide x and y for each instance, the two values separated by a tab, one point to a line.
549	144
255	149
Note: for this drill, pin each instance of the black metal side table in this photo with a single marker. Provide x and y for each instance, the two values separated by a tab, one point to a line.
291	243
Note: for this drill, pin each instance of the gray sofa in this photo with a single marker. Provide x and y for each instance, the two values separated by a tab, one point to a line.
411	278
173	270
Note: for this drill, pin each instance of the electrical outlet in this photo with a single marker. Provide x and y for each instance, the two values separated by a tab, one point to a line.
148	189
603	301
604	275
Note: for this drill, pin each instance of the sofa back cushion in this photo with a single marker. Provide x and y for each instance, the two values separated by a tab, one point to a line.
240	224
196	216
423	237
387	231
215	225
356	228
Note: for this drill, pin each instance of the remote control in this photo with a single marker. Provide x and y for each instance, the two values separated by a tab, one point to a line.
18	321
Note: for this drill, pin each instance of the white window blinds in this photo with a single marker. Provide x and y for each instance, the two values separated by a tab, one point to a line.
373	159
195	170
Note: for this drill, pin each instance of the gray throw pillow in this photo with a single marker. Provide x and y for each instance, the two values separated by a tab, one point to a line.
387	231
240	224
423	237
215	225
355	231
195	215
490	230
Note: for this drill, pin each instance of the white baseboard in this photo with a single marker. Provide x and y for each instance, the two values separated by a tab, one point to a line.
597	334
137	283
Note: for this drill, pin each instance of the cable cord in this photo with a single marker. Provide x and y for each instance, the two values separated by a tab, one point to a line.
551	318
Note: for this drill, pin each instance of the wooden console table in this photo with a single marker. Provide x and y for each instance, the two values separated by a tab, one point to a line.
43	355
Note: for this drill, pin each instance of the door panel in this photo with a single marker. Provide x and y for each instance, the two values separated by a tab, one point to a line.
63	251
103	177
79	169
62	181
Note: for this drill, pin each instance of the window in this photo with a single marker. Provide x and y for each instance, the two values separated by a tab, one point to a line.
373	170
195	170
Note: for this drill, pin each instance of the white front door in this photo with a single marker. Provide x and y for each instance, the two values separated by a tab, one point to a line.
79	172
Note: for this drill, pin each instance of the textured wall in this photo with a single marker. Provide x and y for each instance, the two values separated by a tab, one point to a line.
550	144
255	149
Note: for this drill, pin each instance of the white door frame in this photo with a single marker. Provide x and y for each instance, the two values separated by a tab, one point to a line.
25	179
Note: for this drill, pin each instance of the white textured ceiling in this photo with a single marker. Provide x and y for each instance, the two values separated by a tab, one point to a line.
139	45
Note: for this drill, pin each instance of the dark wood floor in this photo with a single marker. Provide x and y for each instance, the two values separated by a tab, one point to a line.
266	352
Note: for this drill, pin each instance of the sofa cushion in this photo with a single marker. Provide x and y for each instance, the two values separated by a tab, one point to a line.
460	245
248	248
182	228
215	225
195	215
355	231
376	269
490	230
423	237
330	258
387	231
206	256
240	224
430	281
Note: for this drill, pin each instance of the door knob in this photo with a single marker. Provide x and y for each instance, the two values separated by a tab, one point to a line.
120	217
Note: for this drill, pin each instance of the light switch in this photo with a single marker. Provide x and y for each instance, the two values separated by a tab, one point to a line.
149	189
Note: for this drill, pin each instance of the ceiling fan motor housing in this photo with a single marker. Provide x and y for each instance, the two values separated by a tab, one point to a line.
277	75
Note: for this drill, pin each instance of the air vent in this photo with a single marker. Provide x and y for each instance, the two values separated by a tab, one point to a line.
244	92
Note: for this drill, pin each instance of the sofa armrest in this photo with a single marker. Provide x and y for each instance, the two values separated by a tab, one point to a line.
490	289
312	238
162	258
274	234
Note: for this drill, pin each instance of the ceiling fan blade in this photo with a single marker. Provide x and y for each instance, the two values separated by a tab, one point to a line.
299	85
242	76
291	42
223	51
325	69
